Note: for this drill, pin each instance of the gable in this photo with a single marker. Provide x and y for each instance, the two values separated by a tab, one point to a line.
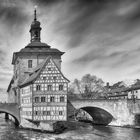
50	73
47	69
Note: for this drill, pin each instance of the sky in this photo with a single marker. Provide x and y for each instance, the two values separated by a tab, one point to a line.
100	37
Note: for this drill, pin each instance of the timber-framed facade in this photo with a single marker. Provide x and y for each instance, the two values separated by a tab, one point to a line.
44	94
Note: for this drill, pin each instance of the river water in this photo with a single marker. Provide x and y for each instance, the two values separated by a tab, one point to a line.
85	132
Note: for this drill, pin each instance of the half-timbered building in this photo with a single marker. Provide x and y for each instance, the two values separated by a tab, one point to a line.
44	93
38	85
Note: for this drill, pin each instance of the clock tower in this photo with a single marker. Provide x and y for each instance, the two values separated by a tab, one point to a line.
35	29
30	57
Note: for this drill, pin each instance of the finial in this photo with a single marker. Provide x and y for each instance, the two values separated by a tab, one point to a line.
35	12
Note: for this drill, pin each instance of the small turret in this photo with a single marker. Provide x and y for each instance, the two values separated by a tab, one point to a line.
35	29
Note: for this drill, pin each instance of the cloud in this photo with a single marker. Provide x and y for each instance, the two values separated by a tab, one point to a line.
12	12
100	37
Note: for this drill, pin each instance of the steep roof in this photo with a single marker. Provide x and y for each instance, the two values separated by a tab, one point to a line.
34	75
10	84
134	87
36	48
126	89
124	94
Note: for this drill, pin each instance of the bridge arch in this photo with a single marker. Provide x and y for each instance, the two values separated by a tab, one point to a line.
15	117
99	115
12	109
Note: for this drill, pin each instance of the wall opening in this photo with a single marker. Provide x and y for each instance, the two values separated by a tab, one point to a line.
99	116
16	122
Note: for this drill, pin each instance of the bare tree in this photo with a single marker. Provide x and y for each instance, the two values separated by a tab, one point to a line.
89	86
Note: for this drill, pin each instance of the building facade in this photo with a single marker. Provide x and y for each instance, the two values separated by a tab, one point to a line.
43	94
132	92
38	85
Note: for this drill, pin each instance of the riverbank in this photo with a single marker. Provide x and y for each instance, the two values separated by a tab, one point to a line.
66	126
61	126
83	132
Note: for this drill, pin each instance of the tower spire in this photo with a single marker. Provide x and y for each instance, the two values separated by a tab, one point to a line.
35	17
35	28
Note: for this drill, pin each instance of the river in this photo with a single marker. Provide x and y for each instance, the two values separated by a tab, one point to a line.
86	132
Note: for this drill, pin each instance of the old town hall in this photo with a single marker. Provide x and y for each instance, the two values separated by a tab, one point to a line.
38	85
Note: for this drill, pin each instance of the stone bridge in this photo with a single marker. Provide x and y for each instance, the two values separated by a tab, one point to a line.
113	112
11	109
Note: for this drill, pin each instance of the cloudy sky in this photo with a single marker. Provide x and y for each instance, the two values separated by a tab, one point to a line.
100	37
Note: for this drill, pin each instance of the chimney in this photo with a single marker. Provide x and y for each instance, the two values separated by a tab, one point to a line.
107	85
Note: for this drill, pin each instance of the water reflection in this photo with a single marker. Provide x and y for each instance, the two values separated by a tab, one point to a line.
87	132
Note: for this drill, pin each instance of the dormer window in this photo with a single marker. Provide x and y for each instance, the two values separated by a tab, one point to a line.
29	63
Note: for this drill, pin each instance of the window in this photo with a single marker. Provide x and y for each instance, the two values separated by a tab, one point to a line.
52	99
54	78
60	87
60	113
49	87
38	87
44	78
48	113
36	112
43	99
15	74
36	33
44	112
29	63
36	99
49	77
49	69
61	99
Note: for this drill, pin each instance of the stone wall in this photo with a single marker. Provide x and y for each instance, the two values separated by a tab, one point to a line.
23	69
124	112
